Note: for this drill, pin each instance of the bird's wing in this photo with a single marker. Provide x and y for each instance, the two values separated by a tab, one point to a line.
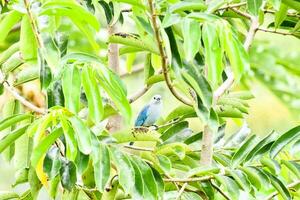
142	116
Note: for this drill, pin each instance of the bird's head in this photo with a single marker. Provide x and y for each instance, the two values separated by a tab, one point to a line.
156	99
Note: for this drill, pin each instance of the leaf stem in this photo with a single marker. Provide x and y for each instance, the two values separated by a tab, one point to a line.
219	190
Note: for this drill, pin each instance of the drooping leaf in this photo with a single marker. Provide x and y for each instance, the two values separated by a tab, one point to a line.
101	164
28	43
10	138
92	92
125	170
192	38
243	151
52	162
82	135
8	22
280	15
284	140
71	88
68	174
213	53
40	150
254	6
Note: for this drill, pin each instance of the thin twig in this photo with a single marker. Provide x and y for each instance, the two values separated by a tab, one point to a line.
220	191
139	93
163	55
196	179
240	12
288	14
181	191
289	186
237	5
34	25
274	31
20	98
138	148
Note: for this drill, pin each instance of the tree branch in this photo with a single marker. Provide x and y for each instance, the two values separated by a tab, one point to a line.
138	148
20	98
163	55
139	93
203	178
240	12
220	191
276	32
34	25
289	186
181	191
229	6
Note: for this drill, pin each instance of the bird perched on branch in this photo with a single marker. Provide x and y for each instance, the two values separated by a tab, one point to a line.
150	113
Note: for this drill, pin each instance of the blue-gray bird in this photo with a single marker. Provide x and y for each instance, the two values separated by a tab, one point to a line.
150	113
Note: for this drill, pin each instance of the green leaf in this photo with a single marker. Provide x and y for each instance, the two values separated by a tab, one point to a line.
164	162
8	22
240	179
13	120
150	186
27	74
280	15
139	183
21	177
55	96
9	52
199	83
235	51
45	74
293	4
254	6
201	171
71	88
173	130
279	186
53	186
284	140
40	150
136	134
68	174
253	177
52	162
12	63
242	152
259	148
272	165
28	43
101	164
92	92
107	11
83	134
183	6
230	186
125	170
213	53
133	41
114	87
129	61
34	182
191	38
11	137
292	166
69	8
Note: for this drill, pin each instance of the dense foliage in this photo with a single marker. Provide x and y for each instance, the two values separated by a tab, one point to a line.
198	48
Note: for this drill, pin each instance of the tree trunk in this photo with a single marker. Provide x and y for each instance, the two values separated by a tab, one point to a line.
114	122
